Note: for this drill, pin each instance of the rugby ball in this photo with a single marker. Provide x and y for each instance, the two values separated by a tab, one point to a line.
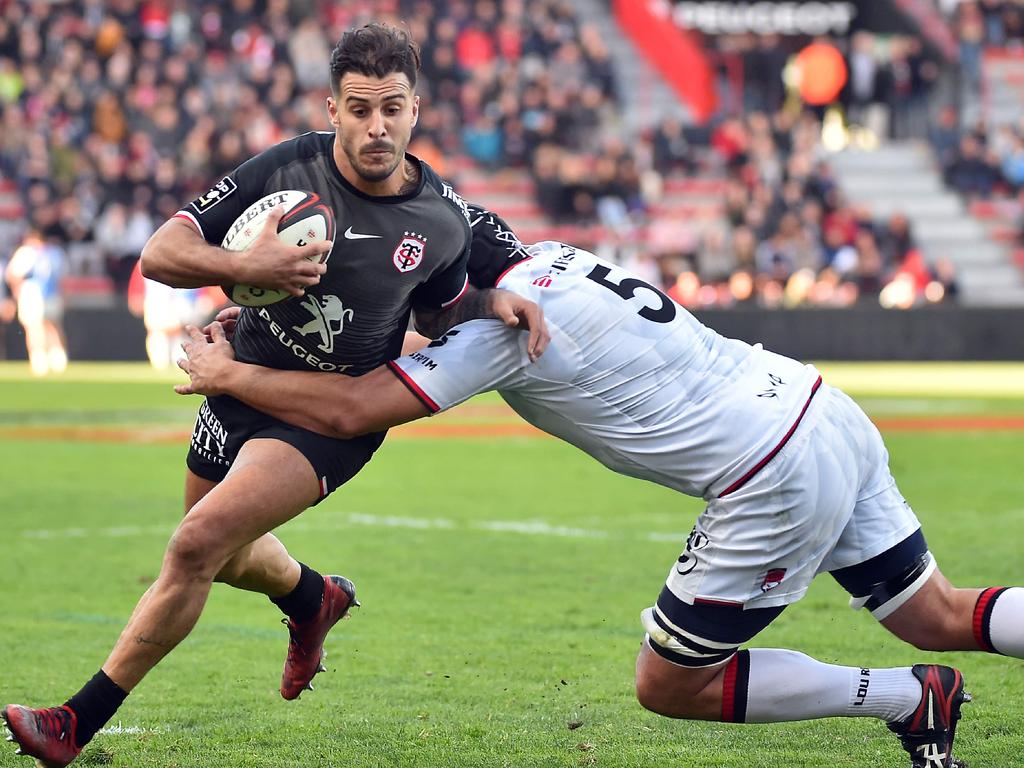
306	219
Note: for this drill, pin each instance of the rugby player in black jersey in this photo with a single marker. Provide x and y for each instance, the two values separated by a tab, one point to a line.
247	472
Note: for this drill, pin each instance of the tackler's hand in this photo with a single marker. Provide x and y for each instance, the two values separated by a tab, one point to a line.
228	318
207	361
517	312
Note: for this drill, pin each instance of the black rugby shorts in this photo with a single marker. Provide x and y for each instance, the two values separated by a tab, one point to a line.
225	424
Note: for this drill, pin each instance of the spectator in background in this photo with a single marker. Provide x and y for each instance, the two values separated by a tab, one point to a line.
896	240
899	82
869	271
970	30
34	274
944	135
863	83
482	141
716	258
121	231
1012	160
839	254
972	173
763	63
672	152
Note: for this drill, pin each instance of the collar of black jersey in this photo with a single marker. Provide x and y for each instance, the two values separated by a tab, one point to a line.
386	199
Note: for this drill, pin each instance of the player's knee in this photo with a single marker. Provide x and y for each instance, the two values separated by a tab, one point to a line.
669	691
193	553
653	697
676	701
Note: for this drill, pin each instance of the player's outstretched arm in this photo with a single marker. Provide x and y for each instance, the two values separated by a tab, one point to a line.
177	255
493	303
328	403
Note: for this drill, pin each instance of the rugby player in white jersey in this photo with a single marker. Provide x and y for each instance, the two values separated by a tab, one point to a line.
795	477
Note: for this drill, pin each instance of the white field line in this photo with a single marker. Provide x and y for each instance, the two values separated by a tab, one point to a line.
515	527
539	528
115	532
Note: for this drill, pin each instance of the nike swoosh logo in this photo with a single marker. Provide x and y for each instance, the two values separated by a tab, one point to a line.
350	235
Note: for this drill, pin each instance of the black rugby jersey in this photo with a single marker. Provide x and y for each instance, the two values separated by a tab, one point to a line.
495	250
355	318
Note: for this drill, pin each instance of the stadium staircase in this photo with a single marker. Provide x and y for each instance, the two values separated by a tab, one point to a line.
1002	87
902	177
644	96
1002	94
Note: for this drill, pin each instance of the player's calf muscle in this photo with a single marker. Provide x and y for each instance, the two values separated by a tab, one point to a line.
938	618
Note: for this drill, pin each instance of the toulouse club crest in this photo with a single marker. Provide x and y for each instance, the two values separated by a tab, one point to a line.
409	253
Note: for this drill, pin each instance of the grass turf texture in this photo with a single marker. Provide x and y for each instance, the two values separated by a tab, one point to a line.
501	582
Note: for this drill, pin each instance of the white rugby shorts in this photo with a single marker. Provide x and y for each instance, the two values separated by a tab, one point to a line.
826	501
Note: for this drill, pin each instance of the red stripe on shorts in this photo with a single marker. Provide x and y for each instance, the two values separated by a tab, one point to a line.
771	454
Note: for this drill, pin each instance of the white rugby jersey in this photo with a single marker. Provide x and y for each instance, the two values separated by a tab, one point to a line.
630	377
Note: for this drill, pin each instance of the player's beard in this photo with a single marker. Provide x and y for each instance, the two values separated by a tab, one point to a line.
374	173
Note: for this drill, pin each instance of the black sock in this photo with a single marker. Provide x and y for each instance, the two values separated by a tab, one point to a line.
94	705
303	602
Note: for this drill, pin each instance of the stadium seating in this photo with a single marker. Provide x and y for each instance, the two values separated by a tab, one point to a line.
548	117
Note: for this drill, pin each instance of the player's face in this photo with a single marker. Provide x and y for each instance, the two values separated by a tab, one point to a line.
373	119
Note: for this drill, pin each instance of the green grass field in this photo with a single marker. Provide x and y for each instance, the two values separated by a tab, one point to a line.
501	582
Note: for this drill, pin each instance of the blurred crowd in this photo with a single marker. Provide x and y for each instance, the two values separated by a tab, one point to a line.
889	83
789	236
526	86
115	112
981	160
981	24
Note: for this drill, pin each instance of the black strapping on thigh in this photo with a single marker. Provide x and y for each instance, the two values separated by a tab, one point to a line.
718	623
860	579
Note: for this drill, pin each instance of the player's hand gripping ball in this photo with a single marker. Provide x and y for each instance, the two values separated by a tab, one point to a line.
306	219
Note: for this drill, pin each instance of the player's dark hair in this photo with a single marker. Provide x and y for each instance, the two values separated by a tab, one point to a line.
375	50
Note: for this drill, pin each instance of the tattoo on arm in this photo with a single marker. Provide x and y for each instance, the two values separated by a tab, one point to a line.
475	304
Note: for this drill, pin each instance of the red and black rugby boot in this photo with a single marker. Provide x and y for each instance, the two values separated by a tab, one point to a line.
306	647
45	734
927	734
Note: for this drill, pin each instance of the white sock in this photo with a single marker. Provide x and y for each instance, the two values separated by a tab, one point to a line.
786	685
999	621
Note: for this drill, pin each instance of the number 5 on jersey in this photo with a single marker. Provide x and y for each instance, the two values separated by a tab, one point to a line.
665	313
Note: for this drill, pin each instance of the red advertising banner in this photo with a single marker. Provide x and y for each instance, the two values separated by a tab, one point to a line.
673	51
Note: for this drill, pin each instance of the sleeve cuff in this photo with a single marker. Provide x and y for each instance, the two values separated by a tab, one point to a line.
413	387
190	218
458	297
